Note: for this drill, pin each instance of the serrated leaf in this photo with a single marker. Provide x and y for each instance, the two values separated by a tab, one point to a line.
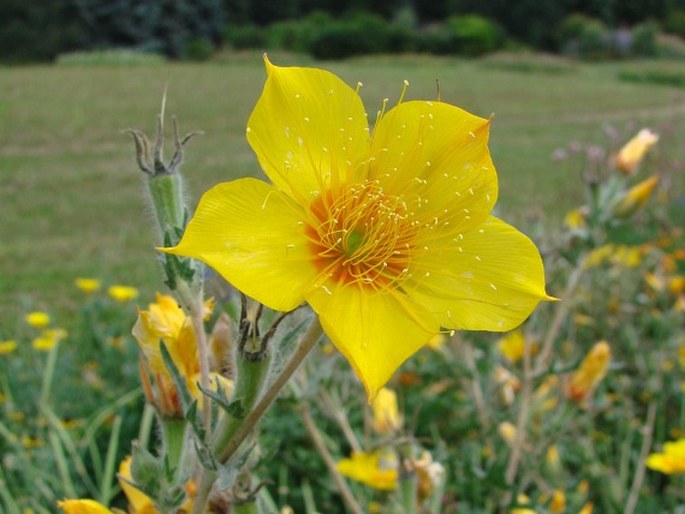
179	381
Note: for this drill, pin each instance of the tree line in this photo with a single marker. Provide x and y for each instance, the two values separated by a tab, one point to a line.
178	29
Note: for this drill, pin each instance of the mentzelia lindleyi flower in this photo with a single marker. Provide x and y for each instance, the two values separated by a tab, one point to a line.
387	234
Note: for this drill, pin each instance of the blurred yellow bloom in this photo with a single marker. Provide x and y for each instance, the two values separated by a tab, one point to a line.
38	319
622	255
681	356
122	294
513	346
630	156
558	503
83	507
656	282
30	442
386	416
676	285
575	219
507	431
7	347
369	469
387	234
48	339
87	285
671	461
587	508
590	373
44	344
552	460
635	198
522	499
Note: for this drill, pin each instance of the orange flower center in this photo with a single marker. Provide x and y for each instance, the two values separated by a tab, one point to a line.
358	234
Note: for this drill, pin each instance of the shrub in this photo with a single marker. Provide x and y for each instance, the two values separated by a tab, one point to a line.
582	36
474	35
644	39
245	36
198	49
356	34
674	23
296	35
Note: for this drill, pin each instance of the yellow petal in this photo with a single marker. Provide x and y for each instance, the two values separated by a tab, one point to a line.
438	152
487	279
375	331
369	469
307	129
83	507
252	234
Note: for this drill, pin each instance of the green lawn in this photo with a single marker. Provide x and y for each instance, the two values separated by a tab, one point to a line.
71	198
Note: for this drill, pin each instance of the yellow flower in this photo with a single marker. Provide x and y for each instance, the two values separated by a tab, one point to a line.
44	344
386	416
587	508
122	294
83	507
590	373
369	469
513	345
387	235
30	442
636	197
87	285
38	319
166	321
48	339
7	347
507	431
558	503
671	461
629	157
575	219
522	499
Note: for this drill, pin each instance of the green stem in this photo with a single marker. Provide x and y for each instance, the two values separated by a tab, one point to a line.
307	343
232	434
174	440
250	378
247	508
49	375
166	191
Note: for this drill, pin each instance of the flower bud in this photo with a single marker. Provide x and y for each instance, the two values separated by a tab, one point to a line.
386	416
629	157
590	373
635	198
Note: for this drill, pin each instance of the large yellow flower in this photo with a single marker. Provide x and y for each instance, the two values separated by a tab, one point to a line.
386	234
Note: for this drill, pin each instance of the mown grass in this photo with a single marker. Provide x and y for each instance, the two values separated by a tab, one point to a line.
72	201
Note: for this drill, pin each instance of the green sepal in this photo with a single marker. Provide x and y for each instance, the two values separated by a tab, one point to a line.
146	470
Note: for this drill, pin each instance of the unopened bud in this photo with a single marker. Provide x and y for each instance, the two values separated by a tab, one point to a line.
590	373
629	157
635	198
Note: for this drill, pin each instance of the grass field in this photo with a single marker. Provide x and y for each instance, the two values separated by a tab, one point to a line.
71	198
